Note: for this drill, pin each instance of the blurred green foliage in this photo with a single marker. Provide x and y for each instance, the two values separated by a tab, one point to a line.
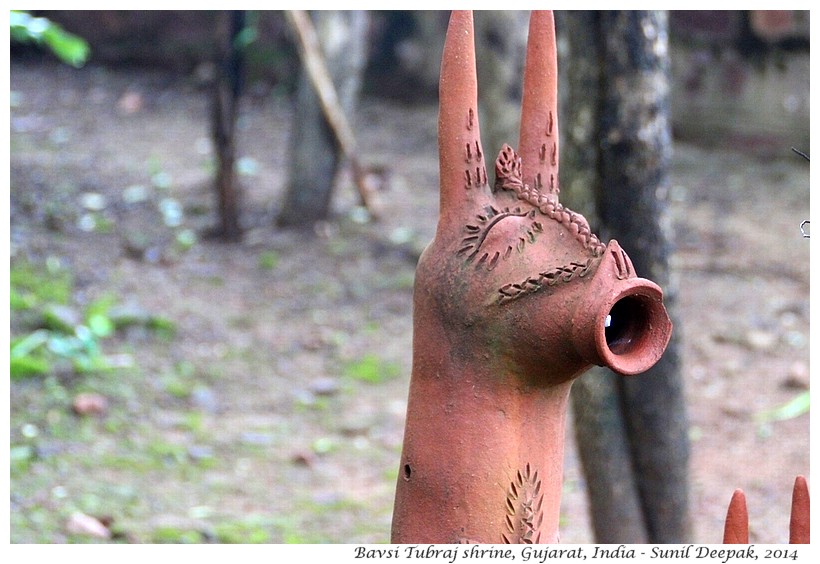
69	48
62	338
795	407
33	286
372	369
52	334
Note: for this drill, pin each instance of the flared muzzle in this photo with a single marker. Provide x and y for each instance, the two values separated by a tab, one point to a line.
621	322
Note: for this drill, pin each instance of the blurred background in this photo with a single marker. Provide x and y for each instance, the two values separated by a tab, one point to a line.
211	284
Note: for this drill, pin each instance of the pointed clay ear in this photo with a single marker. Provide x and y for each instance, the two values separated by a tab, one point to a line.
538	142
461	158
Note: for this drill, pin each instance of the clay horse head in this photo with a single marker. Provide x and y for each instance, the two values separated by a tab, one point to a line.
514	298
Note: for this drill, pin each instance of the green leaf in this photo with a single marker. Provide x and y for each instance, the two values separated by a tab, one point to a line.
795	407
323	445
268	260
60	318
25	345
21	301
69	48
100	325
21	453
28	366
39	284
162	325
186	238
65	345
87	363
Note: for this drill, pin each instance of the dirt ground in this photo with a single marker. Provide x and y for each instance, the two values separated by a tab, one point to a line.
275	411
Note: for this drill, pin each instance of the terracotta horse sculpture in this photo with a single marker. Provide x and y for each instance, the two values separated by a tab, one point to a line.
514	298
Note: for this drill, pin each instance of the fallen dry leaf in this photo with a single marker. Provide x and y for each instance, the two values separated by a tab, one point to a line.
130	102
90	404
82	524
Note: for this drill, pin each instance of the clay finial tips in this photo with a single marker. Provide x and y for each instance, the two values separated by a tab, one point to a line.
736	529
799	525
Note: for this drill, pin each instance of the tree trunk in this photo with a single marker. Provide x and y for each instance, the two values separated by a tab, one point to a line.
603	447
603	444
579	84
227	88
501	41
635	151
641	418
314	154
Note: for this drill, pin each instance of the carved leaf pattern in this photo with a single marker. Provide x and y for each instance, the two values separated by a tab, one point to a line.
508	169
523	505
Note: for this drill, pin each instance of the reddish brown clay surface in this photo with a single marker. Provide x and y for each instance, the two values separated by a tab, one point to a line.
736	530
799	525
513	299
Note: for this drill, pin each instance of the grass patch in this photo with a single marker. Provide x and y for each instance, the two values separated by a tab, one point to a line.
176	535
52	335
252	530
372	369
135	462
33	285
268	260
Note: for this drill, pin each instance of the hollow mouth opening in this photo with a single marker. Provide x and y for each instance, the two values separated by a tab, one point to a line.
626	324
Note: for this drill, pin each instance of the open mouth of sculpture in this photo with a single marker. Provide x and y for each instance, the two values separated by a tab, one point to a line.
626	324
632	335
627	330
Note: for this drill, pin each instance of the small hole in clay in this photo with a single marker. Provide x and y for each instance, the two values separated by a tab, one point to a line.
407	471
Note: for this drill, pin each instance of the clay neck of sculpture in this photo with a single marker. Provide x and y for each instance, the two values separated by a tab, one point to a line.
483	452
